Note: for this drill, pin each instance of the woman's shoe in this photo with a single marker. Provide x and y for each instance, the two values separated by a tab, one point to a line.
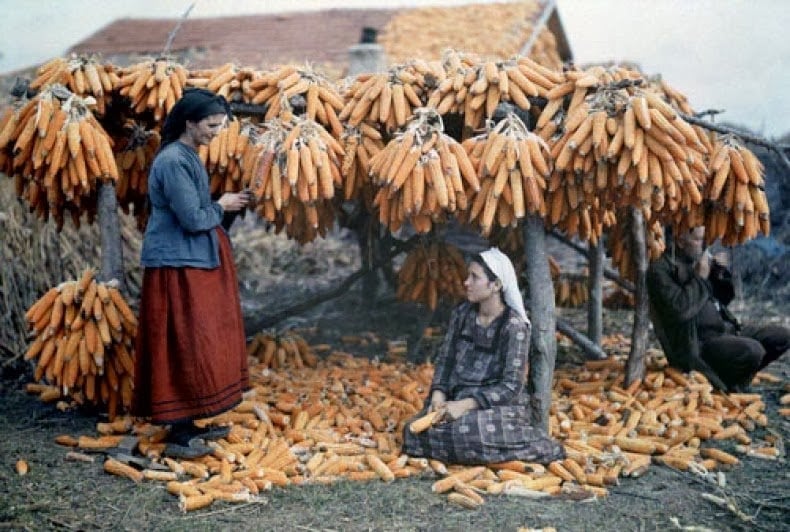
212	433
193	450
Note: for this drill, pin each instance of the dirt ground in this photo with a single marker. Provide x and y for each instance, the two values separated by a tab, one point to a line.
61	495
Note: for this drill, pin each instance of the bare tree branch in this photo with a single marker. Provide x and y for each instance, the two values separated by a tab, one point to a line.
592	350
708	112
172	34
752	139
262	322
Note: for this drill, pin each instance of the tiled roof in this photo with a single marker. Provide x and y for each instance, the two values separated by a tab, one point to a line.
323	37
256	41
497	30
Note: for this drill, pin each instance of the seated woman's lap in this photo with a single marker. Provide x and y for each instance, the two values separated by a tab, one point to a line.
485	436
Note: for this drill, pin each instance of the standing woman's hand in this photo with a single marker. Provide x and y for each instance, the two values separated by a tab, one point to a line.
234	201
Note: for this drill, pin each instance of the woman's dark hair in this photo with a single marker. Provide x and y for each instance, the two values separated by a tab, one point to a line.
195	105
478	258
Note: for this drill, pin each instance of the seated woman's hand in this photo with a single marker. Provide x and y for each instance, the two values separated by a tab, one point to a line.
438	400
455	409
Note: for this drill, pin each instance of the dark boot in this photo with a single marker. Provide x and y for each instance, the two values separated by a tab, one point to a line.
193	450
182	441
212	433
181	433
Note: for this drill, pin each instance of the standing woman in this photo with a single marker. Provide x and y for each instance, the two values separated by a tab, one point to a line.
190	353
479	377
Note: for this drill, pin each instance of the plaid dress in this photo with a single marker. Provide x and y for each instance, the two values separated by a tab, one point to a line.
488	364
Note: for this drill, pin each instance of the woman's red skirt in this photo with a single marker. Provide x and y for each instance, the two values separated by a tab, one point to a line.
190	358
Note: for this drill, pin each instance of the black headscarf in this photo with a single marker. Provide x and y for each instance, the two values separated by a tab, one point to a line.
195	104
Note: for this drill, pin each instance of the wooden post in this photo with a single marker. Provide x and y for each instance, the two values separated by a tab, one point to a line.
368	56
635	367
543	347
595	256
110	229
367	248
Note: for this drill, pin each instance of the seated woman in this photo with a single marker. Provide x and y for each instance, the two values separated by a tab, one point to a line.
479	377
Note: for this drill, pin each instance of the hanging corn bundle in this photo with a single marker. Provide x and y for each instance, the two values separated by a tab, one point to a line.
644	156
295	177
360	145
137	149
154	85
572	88
432	271
84	336
619	244
231	156
421	173
510	240
279	89
59	153
375	103
575	209
475	88
82	75
570	291
513	164
389	98
578	196
228	81
627	144
739	207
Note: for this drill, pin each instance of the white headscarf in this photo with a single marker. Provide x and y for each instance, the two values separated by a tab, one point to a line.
500	264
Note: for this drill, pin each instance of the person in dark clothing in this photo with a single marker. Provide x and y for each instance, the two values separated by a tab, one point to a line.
190	358
478	383
689	291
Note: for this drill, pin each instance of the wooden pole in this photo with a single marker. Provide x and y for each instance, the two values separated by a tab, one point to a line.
367	246
368	57
595	256
543	346
590	348
110	229
635	367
